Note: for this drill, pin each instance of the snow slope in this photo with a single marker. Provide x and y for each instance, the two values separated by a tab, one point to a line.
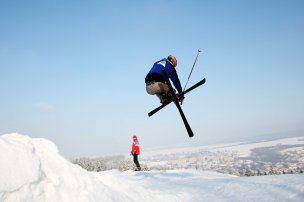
243	149
33	170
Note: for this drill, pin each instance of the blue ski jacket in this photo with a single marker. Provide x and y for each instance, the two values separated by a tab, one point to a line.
155	74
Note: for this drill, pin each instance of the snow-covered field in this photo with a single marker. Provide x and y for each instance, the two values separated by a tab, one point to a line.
251	158
243	149
33	170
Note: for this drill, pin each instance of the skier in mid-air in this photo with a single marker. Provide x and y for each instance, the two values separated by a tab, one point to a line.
135	152
155	81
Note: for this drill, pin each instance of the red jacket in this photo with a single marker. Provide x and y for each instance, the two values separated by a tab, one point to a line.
135	148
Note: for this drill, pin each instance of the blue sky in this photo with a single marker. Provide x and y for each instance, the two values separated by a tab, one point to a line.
73	71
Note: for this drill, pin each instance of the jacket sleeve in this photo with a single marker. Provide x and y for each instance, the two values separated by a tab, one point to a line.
132	150
176	82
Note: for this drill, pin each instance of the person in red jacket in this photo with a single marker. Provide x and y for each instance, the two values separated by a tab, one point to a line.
135	152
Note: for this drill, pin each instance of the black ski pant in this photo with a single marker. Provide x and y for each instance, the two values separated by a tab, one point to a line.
135	159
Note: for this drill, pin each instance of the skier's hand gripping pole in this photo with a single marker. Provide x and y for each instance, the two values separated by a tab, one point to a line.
180	98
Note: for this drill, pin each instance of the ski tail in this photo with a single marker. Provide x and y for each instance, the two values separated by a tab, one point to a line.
189	130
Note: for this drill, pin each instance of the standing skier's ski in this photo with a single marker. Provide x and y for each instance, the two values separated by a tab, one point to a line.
183	93
189	130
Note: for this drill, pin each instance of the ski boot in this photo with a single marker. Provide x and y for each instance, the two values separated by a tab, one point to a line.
166	98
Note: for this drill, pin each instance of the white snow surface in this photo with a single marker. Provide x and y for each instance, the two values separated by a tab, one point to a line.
31	169
243	149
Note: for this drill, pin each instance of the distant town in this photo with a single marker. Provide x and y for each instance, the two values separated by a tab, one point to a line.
275	158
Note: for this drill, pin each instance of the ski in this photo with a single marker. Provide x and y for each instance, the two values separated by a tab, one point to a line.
183	93
189	130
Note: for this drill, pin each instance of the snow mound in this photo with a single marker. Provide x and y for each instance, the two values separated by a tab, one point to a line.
32	170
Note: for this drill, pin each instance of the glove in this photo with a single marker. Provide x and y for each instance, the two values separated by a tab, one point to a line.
181	98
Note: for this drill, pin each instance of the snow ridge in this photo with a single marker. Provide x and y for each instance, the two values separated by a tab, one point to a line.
32	170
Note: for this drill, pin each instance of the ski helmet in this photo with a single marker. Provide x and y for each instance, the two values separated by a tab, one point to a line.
172	60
